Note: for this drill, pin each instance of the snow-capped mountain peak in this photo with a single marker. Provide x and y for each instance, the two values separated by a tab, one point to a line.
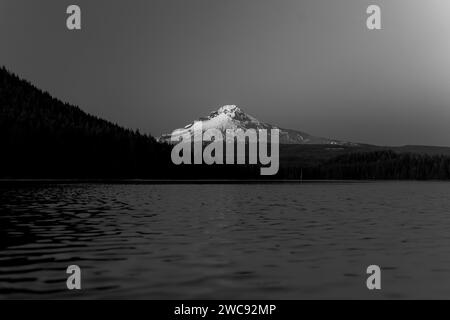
231	117
229	109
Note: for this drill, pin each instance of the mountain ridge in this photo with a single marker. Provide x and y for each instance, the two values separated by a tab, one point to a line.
231	117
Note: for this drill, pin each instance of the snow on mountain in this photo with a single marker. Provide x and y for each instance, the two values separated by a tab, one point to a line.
231	117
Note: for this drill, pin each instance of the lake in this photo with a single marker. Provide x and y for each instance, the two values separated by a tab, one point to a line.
225	241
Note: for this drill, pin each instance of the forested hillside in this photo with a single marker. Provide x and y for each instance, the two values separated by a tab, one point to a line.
41	136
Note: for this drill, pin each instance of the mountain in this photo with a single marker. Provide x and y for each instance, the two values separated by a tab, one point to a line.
231	117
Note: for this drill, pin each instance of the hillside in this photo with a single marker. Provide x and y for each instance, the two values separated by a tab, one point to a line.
41	136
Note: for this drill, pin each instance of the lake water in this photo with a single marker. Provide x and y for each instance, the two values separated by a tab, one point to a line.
237	241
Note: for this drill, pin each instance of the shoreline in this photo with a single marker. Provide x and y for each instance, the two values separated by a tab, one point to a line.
190	181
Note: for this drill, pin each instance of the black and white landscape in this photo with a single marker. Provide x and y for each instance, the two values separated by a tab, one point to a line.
89	119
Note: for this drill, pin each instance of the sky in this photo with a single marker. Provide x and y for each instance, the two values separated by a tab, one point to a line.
312	65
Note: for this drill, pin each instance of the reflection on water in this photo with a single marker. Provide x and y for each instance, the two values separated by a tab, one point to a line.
226	241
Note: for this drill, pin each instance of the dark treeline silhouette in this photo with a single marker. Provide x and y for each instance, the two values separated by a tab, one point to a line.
386	165
42	137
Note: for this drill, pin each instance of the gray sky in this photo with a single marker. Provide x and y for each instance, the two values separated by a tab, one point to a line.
309	65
